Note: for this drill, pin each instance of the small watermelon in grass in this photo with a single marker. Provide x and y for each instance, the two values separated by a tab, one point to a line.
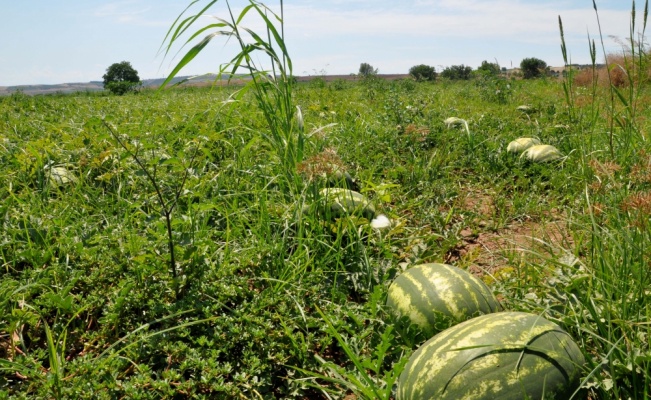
339	202
429	294
505	355
519	145
541	153
59	176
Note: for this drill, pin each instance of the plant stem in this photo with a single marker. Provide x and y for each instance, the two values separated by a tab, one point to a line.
167	207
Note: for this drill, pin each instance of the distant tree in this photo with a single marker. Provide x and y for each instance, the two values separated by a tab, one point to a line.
457	72
121	78
366	69
423	72
533	68
489	68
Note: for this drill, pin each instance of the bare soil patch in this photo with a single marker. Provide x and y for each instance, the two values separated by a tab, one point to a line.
485	251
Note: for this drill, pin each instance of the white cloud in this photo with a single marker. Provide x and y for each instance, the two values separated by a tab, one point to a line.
130	12
444	32
333	36
452	18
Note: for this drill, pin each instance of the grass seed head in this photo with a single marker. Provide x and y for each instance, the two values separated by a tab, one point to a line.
453	121
321	165
299	119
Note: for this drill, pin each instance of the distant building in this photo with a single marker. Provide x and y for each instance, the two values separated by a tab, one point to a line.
562	71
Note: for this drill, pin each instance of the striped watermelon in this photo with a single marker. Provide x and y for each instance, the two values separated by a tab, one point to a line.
432	294
505	355
339	202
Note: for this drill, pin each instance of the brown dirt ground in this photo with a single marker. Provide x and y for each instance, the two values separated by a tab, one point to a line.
485	250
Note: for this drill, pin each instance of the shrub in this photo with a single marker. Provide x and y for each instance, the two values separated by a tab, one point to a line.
488	68
584	77
423	72
625	69
366	69
339	84
533	68
318	82
457	72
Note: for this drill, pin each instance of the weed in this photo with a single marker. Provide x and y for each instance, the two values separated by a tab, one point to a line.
271	86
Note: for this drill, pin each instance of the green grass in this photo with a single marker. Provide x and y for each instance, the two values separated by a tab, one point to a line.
262	297
86	278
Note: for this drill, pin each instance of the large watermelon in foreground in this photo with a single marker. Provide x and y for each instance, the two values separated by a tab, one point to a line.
505	355
431	295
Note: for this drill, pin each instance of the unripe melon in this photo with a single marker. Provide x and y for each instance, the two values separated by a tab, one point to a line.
521	144
339	202
542	153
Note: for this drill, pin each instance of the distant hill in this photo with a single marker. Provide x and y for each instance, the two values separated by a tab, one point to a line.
97	85
201	80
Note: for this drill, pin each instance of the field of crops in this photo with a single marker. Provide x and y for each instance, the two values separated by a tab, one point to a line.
160	245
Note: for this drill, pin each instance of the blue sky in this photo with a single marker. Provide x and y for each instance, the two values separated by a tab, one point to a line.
49	42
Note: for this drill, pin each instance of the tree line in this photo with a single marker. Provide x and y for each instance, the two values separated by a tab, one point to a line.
121	78
529	67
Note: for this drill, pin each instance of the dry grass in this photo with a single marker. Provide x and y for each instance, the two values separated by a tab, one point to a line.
620	66
321	165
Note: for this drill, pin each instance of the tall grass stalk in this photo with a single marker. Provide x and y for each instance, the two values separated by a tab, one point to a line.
633	70
635	74
611	87
610	311
615	304
568	89
55	351
271	86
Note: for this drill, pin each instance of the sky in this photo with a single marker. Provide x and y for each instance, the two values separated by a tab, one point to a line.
52	42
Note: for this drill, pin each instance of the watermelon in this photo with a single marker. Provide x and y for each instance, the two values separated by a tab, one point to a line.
59	176
336	176
433	294
338	202
541	153
521	144
505	355
526	109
